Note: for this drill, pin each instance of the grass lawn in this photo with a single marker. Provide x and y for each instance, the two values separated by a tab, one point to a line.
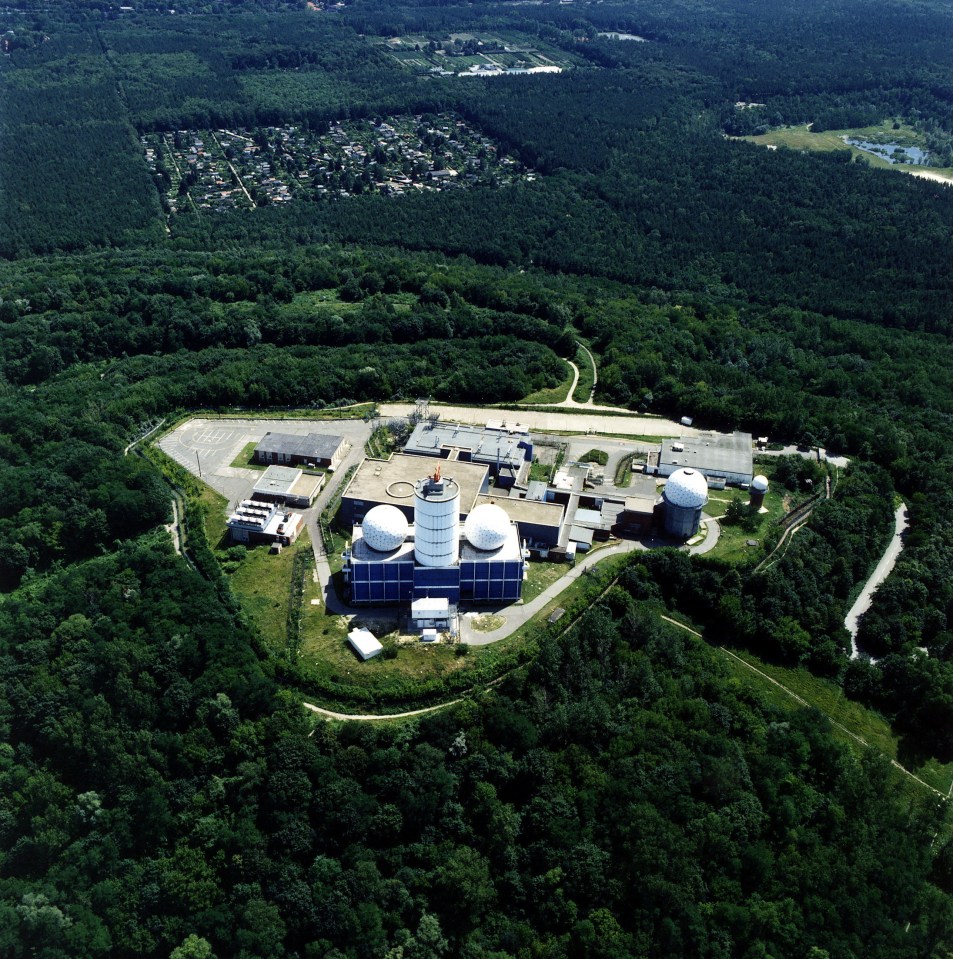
245	459
540	576
263	584
325	654
732	540
215	505
801	138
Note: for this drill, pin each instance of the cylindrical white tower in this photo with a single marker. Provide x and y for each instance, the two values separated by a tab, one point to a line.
759	486
436	521
685	495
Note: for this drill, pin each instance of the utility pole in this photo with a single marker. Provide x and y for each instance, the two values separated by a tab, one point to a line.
197	460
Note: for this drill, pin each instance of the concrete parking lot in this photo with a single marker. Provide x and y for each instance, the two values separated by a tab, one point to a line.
207	447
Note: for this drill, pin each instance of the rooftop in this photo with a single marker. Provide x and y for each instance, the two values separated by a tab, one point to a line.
311	446
393	481
287	481
718	453
496	442
526	511
362	553
643	494
510	550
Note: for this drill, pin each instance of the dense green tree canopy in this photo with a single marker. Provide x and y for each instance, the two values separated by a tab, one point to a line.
618	793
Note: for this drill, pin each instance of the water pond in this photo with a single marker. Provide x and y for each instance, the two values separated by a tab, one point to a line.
891	152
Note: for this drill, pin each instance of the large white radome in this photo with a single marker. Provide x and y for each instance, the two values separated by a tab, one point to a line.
760	484
384	528
487	527
686	488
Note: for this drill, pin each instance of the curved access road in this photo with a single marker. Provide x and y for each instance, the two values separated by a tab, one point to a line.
884	567
517	616
369	717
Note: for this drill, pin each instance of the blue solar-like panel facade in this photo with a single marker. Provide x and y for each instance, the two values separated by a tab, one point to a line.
437	583
489	581
382	582
403	581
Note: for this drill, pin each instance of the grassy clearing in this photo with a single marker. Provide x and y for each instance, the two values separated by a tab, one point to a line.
583	389
540	576
326	658
732	540
262	583
829	698
554	394
801	138
216	532
246	458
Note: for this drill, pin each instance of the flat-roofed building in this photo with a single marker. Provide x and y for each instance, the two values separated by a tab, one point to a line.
255	522
291	449
438	557
718	456
507	450
582	536
539	523
392	481
638	515
285	484
364	643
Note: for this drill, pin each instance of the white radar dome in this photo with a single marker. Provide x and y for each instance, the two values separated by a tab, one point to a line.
760	484
384	528
487	527
686	488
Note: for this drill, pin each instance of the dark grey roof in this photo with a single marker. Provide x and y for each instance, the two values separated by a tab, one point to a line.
313	446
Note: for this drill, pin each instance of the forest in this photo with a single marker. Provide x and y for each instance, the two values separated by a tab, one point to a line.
620	792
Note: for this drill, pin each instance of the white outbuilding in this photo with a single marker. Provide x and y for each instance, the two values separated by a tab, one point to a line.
364	643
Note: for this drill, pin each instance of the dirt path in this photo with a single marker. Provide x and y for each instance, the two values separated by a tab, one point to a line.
882	571
330	714
569	403
174	529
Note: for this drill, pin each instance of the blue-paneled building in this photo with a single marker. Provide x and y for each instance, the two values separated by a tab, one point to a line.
390	562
